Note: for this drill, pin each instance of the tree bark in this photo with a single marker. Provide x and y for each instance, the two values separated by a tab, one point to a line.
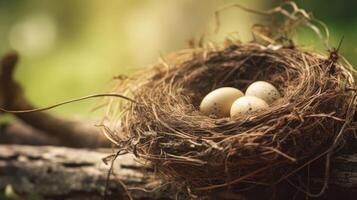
66	173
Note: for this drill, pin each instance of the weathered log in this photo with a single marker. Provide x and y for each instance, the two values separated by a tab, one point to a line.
61	173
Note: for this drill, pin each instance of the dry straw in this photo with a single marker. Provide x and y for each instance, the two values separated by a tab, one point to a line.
166	128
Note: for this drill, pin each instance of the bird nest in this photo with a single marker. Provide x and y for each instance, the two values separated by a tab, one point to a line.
163	125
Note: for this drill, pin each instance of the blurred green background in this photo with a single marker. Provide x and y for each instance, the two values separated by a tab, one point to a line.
72	48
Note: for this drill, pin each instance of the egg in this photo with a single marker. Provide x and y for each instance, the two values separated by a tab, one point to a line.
219	101
263	90
247	105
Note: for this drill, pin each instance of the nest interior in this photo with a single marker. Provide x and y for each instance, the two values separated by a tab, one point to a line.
166	128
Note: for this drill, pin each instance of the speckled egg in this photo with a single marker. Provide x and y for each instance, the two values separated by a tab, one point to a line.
264	91
247	105
218	102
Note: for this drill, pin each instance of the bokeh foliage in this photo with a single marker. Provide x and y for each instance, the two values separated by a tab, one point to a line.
72	48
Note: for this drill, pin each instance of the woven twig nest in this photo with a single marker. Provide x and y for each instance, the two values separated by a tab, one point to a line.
165	127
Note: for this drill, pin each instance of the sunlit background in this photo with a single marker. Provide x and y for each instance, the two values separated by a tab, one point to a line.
72	48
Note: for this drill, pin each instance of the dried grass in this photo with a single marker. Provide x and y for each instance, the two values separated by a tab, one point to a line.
166	128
